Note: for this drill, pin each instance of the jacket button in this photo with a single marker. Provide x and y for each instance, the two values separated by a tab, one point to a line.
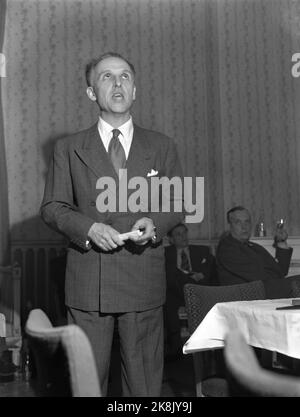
93	203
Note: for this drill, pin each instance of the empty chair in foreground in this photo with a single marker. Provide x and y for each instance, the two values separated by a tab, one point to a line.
247	373
209	367
63	358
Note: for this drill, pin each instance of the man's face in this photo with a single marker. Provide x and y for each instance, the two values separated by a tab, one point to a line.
240	225
179	237
113	86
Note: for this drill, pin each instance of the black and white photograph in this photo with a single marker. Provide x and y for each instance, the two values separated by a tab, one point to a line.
150	201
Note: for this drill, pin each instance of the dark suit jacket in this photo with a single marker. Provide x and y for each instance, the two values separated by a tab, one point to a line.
131	278
202	261
239	262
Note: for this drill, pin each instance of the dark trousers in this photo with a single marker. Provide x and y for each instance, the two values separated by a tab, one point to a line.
141	347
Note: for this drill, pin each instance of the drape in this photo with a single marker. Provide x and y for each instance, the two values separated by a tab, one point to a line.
6	283
213	74
4	214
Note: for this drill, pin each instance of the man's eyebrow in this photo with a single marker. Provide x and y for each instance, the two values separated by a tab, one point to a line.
112	70
109	70
101	73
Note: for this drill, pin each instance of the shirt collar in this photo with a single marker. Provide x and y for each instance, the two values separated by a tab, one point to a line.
126	136
243	243
105	129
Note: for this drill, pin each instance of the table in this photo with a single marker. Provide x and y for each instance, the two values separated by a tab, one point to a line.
262	325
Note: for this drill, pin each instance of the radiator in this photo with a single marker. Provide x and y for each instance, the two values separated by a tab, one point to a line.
37	288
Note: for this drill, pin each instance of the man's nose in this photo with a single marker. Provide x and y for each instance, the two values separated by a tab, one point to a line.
117	80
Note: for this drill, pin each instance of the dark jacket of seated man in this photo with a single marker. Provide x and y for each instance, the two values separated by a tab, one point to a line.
200	268
197	266
240	260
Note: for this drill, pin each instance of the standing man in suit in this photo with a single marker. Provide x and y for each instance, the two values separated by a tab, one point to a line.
185	264
239	260
110	278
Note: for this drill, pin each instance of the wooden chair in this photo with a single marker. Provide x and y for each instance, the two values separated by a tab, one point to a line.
63	359
209	367
246	371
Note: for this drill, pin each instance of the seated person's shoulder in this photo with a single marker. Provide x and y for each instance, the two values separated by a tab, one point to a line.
225	240
227	247
225	236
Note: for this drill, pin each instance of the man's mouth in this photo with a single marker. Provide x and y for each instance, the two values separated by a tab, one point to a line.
117	96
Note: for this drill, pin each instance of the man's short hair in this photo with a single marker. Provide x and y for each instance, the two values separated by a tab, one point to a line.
95	61
233	210
170	232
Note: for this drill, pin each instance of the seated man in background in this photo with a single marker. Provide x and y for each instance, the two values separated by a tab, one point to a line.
240	260
185	264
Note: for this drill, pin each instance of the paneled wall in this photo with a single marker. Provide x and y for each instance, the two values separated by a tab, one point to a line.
213	74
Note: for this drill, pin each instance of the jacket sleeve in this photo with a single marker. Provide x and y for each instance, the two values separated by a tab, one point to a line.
202	260
164	221
231	260
58	208
284	258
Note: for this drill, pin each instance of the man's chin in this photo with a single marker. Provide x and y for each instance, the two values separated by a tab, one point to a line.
120	107
245	238
242	238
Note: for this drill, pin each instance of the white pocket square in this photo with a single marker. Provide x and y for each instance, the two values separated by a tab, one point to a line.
152	173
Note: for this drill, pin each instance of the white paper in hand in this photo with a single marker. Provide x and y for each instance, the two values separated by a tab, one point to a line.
134	234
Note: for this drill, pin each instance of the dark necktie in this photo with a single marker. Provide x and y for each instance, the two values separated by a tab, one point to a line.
185	265
116	151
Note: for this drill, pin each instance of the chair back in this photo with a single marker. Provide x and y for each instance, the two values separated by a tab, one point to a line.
63	358
199	299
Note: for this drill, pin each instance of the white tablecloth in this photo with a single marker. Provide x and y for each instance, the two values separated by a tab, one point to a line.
262	325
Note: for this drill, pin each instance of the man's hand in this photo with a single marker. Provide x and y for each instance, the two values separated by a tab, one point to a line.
145	224
105	236
197	276
280	238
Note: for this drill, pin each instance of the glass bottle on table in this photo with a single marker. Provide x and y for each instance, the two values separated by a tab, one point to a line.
261	229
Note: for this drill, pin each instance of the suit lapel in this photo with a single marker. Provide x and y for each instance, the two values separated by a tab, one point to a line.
94	155
139	158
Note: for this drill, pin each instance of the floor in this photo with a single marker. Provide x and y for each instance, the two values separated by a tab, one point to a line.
178	380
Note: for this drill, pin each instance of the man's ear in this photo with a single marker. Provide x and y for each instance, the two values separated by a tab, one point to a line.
91	94
134	92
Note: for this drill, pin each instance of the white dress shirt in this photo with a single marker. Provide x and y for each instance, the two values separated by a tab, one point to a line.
105	132
179	252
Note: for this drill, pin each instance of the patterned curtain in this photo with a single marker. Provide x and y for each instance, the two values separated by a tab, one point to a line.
213	74
4	217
